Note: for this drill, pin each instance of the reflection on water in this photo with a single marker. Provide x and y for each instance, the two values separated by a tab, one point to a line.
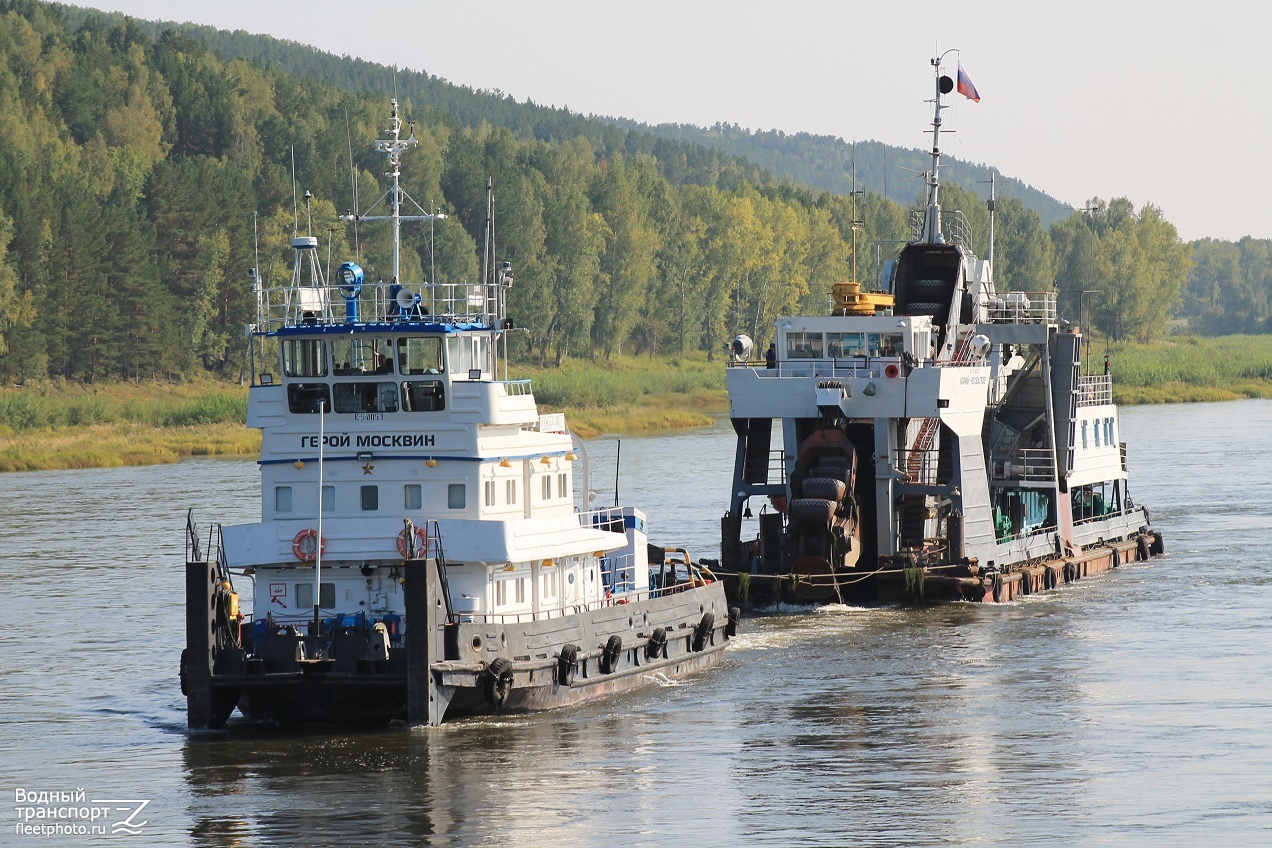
1132	709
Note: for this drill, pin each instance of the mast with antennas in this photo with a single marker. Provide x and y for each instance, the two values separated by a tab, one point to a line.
392	147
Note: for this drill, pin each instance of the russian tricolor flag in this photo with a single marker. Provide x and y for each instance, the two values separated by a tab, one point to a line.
965	86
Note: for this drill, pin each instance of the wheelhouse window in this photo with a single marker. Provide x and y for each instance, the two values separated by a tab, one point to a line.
468	352
883	344
420	355
423	396
366	397
839	345
456	496
803	345
283	499
266	358
414	496
328	498
304	398
370	498
356	355
304	358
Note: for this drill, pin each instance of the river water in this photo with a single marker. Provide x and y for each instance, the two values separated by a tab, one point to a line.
1130	709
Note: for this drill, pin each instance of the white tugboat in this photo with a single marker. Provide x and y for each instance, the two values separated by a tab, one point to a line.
420	554
939	441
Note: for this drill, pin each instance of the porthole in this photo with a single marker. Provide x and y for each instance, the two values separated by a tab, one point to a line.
476	643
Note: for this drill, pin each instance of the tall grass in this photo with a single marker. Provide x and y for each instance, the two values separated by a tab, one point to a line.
58	406
625	381
1188	368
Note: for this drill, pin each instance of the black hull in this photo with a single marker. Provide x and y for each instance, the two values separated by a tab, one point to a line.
539	665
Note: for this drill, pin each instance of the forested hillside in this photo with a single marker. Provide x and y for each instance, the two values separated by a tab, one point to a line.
136	163
826	162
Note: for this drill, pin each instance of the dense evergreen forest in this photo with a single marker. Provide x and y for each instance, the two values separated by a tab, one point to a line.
137	161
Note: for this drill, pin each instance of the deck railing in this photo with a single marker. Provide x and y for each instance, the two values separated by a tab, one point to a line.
1023	308
377	303
954	226
1035	465
1095	390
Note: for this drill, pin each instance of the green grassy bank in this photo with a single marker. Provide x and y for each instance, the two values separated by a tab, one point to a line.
70	425
1187	369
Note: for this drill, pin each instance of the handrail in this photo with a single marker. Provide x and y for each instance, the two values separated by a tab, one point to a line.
377	303
1095	390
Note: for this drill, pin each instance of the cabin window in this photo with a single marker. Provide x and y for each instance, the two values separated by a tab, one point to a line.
521	590
414	496
1095	427
1108	431
304	358
303	398
803	345
282	499
845	344
512	491
456	496
328	498
883	344
305	596
1084	435
420	356
562	488
266	357
501	592
370	498
547	487
366	397
489	490
423	396
468	352
550	584
355	355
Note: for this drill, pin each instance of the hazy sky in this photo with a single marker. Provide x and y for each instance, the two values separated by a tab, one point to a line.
1152	100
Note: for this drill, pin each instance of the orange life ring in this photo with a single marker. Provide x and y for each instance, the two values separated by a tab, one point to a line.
307	545
891	370
421	543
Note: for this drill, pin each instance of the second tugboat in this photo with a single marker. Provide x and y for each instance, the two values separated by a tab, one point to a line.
420	554
939	441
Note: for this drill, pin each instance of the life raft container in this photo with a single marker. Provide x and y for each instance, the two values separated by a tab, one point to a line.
307	544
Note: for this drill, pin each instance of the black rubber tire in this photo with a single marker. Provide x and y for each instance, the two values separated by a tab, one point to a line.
567	664
657	646
1145	548
1026	583
182	674
923	308
613	652
498	682
703	632
735	616
1070	572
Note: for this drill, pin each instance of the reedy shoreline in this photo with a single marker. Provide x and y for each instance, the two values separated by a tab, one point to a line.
72	425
